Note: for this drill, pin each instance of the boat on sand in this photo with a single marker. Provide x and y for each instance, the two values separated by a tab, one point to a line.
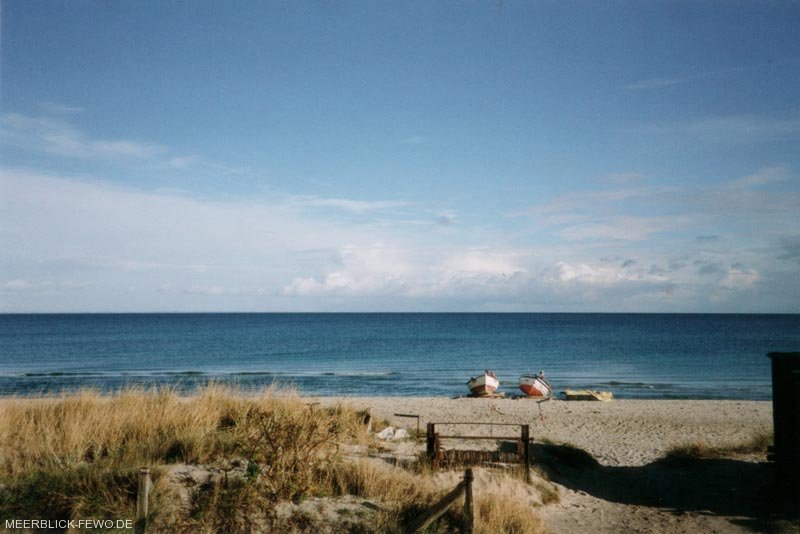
484	384
535	385
587	395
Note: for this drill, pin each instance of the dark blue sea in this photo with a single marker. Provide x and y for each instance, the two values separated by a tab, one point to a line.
410	354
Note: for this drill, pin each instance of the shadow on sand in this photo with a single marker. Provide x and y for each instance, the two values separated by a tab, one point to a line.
726	487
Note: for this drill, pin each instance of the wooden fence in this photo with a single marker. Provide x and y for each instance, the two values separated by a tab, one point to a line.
464	488
440	457
142	498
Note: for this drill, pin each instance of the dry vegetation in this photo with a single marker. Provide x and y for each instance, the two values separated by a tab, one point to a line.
77	456
700	450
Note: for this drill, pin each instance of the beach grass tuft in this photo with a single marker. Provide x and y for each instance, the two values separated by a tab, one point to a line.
700	450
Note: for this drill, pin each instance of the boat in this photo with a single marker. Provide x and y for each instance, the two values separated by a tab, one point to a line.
484	384
587	395
535	385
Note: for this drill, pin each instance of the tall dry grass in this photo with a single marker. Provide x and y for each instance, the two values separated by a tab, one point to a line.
77	456
139	426
69	456
501	505
700	450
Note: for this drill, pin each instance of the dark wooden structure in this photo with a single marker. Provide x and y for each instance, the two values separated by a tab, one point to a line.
440	457
786	422
142	499
437	510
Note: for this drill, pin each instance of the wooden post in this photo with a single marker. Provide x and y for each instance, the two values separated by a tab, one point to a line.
526	451
142	498
469	514
431	442
436	511
368	421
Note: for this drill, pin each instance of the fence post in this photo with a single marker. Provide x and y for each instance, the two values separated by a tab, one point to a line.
431	442
142	498
368	421
437	511
526	451
469	513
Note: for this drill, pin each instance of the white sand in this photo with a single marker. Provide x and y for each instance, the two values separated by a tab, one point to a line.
625	436
620	432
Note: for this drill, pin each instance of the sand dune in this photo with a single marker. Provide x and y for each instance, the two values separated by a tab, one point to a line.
630	488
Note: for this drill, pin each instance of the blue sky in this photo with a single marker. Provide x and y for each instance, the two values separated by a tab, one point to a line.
387	156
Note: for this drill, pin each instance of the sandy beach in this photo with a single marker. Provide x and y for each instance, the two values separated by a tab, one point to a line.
630	490
602	467
616	433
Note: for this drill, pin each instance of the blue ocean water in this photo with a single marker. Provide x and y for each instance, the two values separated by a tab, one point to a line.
408	354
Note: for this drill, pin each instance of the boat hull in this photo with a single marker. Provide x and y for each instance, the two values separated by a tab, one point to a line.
483	385
533	386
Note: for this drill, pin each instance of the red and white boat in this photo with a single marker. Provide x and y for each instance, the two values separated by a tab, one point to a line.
483	385
535	385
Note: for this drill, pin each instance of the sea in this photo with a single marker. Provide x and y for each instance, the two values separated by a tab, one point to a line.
653	356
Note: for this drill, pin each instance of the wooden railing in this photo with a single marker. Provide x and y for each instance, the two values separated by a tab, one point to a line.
464	488
142	498
437	456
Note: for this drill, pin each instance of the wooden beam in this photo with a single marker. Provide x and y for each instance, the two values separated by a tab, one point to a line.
469	513
526	451
142	498
437	510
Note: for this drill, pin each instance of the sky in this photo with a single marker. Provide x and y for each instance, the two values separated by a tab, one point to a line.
538	156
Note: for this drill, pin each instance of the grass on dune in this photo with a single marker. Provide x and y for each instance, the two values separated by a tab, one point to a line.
69	456
406	495
145	427
77	456
700	450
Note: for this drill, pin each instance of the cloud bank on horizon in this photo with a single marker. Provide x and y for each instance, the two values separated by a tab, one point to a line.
480	162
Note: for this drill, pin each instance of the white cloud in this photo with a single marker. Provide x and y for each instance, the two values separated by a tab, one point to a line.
764	176
184	253
209	290
20	284
602	274
482	261
464	274
346	204
54	108
624	177
620	228
414	140
658	83
182	162
730	128
17	284
738	278
55	136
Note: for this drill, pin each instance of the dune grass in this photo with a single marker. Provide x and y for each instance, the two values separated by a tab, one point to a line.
406	495
77	456
700	450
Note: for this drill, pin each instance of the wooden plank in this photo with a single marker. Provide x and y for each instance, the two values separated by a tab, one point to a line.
478	423
431	441
469	515
526	446
437	511
468	457
142	498
492	438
